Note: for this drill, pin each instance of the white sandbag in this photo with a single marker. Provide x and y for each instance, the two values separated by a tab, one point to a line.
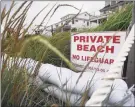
118	93
73	99
121	94
55	75
61	76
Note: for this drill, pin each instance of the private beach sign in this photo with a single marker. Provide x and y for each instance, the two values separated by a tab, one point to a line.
85	45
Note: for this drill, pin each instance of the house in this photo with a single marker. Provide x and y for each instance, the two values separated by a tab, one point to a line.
112	6
71	22
85	20
80	21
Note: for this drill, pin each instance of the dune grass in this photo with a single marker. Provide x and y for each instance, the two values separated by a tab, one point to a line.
61	41
16	89
118	21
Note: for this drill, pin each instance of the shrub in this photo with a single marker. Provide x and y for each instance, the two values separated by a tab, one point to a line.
37	50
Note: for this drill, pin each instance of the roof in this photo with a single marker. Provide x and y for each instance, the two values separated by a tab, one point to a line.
67	15
114	5
74	18
85	12
83	19
75	14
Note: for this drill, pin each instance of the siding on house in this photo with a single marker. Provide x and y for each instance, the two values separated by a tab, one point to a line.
81	21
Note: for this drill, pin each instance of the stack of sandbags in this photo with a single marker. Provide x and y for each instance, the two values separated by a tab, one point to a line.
65	87
65	82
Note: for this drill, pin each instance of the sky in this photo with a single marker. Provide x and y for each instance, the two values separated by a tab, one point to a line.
91	7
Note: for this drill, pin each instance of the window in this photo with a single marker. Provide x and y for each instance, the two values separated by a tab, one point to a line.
84	21
104	12
76	20
66	23
85	14
87	23
57	25
113	2
73	21
61	23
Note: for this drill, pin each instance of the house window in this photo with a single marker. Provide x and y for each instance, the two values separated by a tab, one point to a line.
73	21
61	23
104	12
85	14
113	2
66	23
57	25
84	21
87	23
76	20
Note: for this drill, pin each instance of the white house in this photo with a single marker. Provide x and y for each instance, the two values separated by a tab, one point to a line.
85	20
80	21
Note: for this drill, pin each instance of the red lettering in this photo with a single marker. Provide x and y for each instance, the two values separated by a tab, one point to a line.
101	60
96	60
88	58
100	48
110	49
82	38
79	47
93	48
86	47
87	39
76	38
76	57
111	61
106	61
93	38
116	39
100	39
107	38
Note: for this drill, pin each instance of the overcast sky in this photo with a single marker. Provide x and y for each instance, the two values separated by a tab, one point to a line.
91	7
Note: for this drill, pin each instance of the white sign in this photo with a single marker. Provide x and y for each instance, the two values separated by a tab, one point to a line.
85	45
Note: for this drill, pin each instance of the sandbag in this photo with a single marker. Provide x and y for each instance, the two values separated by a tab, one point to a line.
68	97
65	81
74	99
59	76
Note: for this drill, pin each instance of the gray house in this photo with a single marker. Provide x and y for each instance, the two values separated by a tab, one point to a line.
112	6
